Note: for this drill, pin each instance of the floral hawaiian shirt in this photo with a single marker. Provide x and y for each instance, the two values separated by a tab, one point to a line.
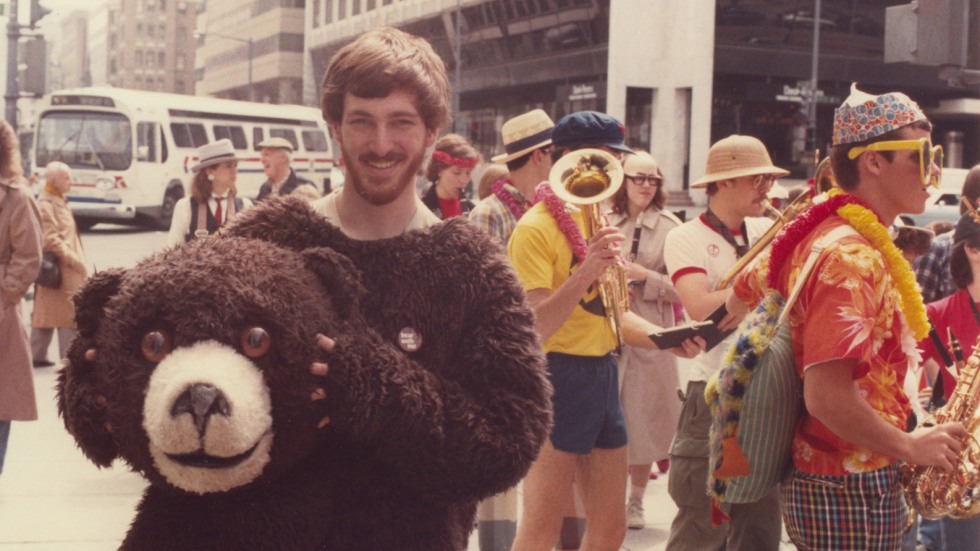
849	308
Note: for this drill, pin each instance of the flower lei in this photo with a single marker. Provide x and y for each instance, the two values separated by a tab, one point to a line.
565	222
870	227
507	198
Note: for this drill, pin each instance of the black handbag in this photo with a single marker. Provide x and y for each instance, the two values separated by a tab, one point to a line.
50	273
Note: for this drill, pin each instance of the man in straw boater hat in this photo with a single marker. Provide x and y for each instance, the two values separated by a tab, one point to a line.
853	330
698	254
559	265
527	154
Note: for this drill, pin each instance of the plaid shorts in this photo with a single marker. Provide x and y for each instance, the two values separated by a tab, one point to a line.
863	511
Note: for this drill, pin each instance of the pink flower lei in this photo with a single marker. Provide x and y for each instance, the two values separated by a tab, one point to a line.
798	228
507	197
565	222
447	159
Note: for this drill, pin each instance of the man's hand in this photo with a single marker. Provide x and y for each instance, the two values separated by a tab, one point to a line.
603	252
320	369
937	446
689	348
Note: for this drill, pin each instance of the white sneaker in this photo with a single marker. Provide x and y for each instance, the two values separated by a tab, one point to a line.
634	515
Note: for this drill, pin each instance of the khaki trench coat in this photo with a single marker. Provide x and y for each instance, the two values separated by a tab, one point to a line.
53	307
20	258
649	378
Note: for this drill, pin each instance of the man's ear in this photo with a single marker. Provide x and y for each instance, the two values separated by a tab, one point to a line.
81	395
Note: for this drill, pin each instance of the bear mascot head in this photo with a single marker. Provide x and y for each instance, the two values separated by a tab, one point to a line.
201	384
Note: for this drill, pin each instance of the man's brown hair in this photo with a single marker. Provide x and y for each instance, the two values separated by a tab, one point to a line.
380	62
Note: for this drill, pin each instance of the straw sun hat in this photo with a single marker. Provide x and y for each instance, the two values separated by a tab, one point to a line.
523	134
737	156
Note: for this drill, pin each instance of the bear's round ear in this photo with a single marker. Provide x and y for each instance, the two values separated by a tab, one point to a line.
81	398
338	274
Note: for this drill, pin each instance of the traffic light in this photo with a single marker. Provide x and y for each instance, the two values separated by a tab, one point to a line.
37	12
34	69
933	32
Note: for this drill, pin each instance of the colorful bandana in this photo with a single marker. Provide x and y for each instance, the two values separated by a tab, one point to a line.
447	159
863	116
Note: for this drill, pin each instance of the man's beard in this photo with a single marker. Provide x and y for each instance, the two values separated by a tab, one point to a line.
383	195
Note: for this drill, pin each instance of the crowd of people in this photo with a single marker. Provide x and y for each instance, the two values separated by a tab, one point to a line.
616	403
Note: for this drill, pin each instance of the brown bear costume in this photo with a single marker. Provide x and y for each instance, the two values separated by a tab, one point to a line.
201	383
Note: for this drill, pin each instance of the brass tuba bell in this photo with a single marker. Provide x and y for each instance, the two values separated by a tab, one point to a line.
586	178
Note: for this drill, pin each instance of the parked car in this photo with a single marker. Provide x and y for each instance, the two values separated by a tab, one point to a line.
945	201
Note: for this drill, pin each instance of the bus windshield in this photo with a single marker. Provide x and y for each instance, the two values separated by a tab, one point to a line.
84	139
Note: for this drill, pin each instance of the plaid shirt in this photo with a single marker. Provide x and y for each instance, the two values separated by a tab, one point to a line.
492	215
932	269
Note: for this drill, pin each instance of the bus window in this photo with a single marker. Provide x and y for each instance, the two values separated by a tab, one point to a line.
164	152
85	140
314	140
287	133
257	137
188	134
234	133
146	145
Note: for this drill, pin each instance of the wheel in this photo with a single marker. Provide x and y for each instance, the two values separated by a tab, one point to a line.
85	224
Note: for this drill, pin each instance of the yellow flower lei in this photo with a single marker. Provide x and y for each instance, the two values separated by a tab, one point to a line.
866	223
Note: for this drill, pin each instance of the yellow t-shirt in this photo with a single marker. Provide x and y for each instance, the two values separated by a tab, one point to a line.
543	259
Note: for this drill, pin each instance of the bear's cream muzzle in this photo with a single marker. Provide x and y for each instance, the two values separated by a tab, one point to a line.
208	416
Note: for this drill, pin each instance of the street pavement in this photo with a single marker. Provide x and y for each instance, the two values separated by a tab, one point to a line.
53	499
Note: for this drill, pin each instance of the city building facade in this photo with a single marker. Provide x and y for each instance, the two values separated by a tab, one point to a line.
144	45
680	73
251	50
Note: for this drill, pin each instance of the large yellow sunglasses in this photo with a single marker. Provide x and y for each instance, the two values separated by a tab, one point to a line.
928	154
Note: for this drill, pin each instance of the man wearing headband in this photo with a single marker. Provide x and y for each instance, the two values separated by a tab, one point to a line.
853	330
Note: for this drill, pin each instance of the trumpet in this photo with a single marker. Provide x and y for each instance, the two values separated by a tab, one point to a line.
586	178
823	179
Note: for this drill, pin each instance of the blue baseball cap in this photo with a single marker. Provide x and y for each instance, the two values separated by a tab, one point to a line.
589	128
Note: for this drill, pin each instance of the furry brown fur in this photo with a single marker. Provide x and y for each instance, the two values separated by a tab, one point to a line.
415	439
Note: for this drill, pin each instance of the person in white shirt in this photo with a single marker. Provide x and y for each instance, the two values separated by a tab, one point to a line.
213	200
698	254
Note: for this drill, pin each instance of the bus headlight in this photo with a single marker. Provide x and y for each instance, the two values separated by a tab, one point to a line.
104	184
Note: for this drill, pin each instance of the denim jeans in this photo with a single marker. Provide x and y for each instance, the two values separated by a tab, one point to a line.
947	534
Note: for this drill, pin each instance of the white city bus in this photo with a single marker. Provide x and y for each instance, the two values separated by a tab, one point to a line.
131	151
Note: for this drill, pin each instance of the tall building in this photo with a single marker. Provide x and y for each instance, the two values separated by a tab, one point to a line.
680	73
72	55
251	49
144	45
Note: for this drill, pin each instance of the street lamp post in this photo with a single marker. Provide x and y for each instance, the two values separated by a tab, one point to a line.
247	41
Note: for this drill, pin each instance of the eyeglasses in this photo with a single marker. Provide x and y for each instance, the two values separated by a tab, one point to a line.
928	155
763	182
644	180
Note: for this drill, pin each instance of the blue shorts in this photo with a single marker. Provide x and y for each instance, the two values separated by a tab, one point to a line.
587	411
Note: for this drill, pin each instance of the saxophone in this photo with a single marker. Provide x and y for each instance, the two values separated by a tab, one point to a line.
586	178
933	493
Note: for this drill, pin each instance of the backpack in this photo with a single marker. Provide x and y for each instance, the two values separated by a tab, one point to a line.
757	396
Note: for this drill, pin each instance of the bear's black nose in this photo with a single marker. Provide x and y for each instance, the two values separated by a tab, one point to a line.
201	401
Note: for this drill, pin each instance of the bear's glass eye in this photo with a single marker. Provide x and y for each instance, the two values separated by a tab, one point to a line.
156	345
255	341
